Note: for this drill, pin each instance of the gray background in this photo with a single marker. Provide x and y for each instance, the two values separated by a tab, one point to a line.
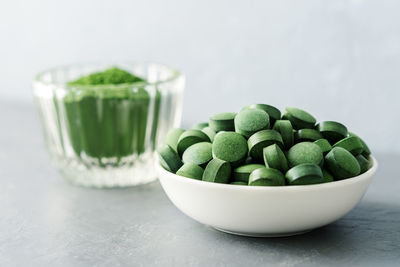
338	59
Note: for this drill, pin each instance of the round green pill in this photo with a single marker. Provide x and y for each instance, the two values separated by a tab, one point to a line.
230	147
328	177
341	163
200	126
272	111
305	152
324	145
304	174
364	163
284	127
169	159
351	144
191	170
173	136
238	183
332	131
223	121
366	151
261	139
266	177
307	135
217	171
190	137
299	118
209	132
249	121
199	154
242	173
275	158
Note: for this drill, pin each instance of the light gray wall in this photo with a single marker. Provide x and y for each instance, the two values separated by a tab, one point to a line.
338	59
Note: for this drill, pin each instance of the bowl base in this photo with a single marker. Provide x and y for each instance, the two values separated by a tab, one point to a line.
263	234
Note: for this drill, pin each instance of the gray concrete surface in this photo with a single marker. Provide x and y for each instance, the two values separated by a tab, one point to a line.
44	221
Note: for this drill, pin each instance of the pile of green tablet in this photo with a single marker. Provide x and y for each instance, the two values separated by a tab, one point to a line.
259	146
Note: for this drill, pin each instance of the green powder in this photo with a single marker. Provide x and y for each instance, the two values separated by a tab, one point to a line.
110	122
110	76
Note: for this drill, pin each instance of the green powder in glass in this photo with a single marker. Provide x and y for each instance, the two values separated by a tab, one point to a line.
110	123
110	76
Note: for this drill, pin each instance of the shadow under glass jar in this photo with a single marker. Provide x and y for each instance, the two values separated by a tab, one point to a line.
106	135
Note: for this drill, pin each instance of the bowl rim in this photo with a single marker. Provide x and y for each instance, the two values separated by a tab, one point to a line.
364	176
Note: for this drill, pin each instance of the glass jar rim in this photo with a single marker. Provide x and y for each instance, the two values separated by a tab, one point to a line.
39	78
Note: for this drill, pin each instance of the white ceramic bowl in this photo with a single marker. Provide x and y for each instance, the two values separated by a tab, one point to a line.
265	211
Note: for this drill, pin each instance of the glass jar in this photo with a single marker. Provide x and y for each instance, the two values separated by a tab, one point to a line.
106	135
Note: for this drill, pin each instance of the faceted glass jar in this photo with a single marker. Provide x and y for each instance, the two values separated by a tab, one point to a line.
106	135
